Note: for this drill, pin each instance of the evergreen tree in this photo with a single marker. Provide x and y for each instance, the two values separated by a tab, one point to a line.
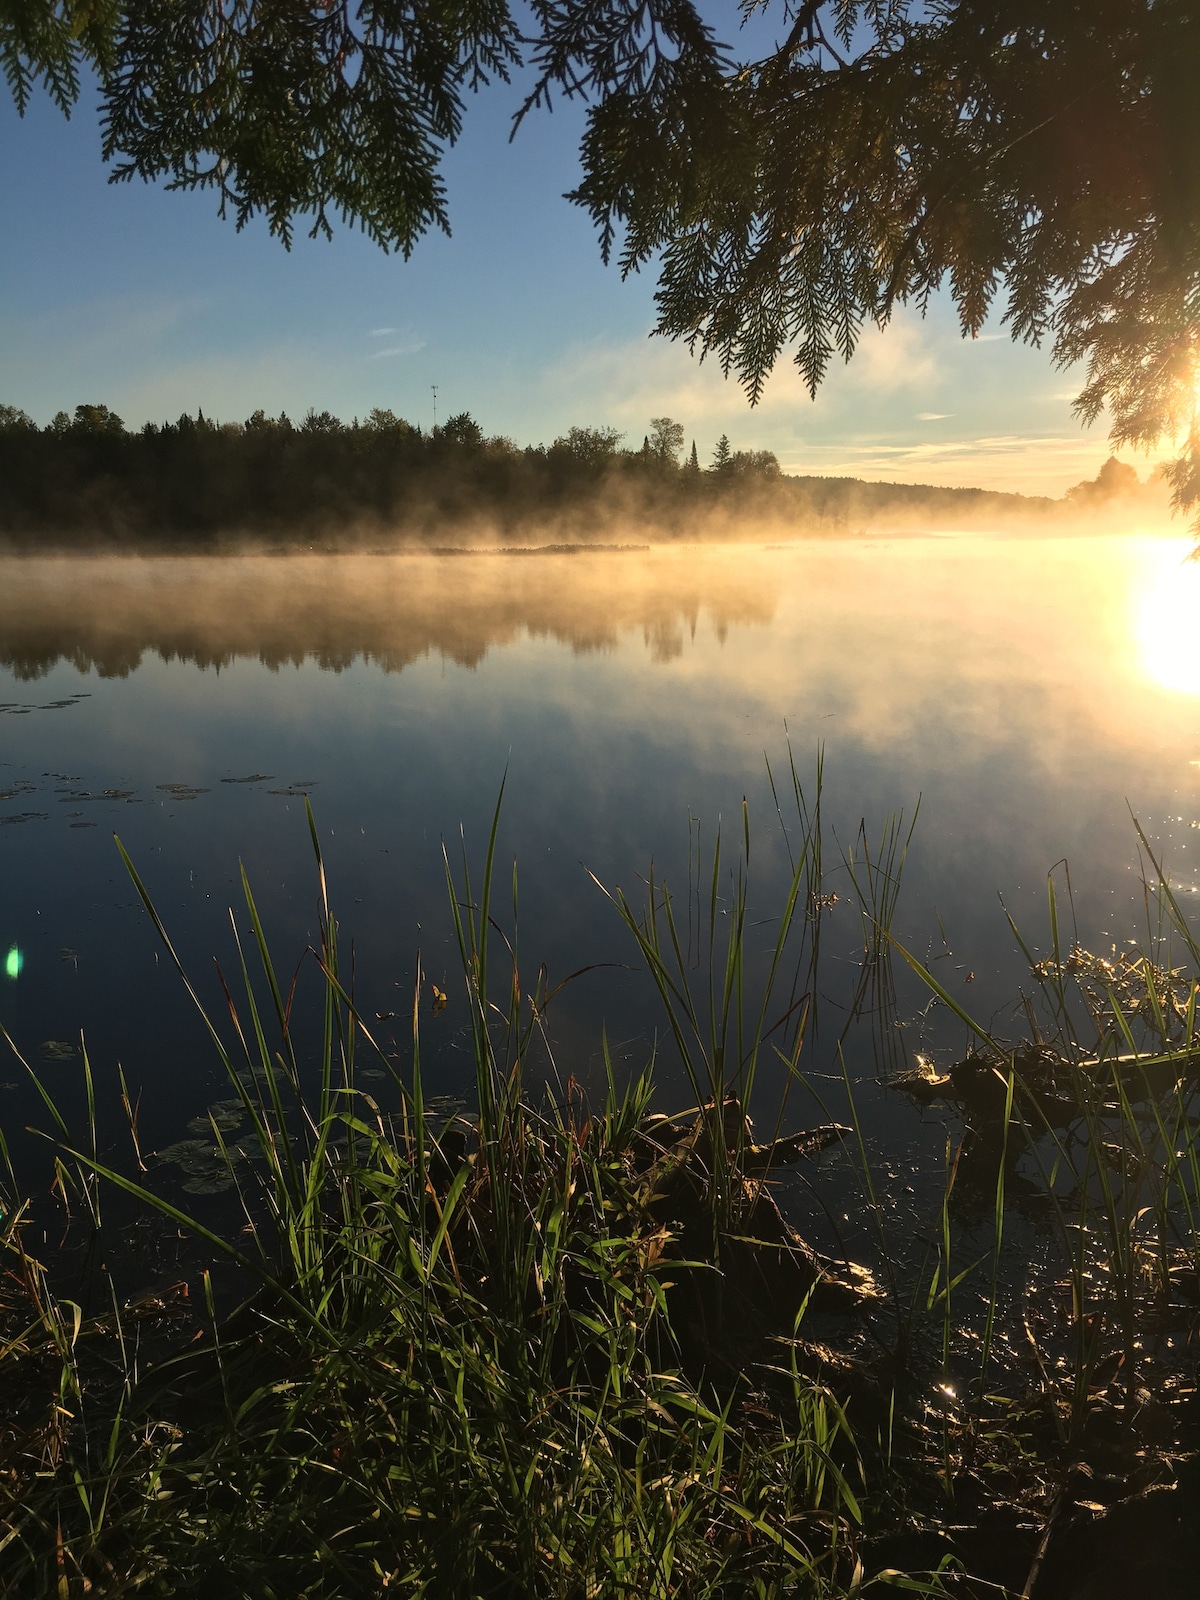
1041	157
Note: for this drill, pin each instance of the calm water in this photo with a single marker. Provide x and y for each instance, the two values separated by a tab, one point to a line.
1029	693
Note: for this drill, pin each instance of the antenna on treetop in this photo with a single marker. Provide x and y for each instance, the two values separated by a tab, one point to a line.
434	387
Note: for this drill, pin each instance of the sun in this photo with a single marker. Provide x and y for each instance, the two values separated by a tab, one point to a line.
1166	620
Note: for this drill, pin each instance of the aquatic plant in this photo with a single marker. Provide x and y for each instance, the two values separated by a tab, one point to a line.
459	1369
559	1344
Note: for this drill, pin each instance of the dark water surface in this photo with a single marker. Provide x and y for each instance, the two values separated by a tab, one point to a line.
1024	691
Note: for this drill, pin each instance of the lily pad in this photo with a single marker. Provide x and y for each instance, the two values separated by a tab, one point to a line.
445	1105
215	1183
226	1121
205	1169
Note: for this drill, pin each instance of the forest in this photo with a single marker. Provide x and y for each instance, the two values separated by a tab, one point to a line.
85	480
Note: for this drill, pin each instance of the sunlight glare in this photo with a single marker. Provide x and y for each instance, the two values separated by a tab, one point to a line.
1166	612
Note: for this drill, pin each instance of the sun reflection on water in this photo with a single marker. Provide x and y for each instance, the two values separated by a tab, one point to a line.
1167	619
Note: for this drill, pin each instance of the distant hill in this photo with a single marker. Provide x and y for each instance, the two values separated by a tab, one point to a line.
853	502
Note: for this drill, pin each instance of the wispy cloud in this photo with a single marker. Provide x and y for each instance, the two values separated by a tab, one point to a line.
406	342
1023	463
105	327
862	423
626	383
900	356
408	348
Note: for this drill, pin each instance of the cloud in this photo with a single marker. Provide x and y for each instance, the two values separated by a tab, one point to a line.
627	382
1021	463
408	348
864	422
900	356
407	342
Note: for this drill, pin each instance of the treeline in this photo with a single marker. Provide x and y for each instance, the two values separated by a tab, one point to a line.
193	480
86	479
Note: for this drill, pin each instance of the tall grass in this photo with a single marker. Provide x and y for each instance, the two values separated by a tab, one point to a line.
1064	1361
560	1344
457	1369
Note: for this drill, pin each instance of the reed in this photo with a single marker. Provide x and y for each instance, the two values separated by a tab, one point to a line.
564	1345
456	1370
1083	1133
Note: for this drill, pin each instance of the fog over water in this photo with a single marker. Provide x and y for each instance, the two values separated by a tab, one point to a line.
1024	691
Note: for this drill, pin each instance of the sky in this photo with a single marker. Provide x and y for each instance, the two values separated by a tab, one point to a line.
147	302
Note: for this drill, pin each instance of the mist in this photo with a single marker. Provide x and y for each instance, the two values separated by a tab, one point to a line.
106	612
270	485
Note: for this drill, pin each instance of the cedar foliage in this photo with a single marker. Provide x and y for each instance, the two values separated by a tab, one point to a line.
1036	157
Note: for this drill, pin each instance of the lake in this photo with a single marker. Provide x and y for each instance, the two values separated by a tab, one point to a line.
1028	693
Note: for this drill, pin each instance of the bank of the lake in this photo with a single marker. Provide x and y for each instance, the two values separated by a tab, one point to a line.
561	1344
85	482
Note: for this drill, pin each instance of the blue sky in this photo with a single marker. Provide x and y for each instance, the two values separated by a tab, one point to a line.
146	301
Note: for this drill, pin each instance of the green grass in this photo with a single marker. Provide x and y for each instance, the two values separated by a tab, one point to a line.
562	1345
457	1369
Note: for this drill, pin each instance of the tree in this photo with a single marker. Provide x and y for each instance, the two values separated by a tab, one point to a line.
666	439
96	420
321	422
269	427
1040	156
722	455
383	422
1116	480
463	430
753	464
282	107
883	150
590	447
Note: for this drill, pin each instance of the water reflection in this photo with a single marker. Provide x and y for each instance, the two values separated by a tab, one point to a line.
107	613
1026	690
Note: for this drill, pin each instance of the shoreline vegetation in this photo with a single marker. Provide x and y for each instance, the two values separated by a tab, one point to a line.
85	482
561	1345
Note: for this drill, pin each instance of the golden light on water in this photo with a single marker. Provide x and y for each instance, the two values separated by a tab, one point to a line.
1167	620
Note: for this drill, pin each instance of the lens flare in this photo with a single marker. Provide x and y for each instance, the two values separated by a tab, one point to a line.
13	962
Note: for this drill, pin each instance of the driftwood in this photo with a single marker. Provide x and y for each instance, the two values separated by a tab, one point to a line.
764	1266
1049	1088
737	1276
